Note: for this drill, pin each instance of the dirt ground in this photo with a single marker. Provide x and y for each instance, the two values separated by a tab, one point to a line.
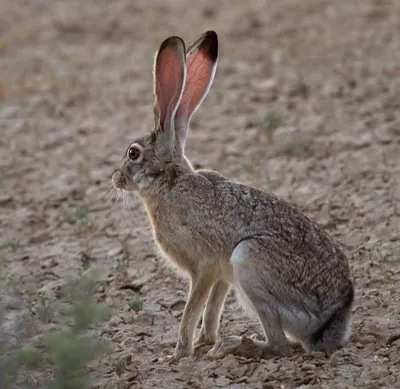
305	103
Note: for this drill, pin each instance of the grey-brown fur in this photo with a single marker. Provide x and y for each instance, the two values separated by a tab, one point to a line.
284	267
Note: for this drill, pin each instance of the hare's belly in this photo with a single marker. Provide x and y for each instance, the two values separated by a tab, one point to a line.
180	249
174	253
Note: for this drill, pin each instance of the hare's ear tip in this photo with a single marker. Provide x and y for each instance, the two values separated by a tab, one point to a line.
173	41
211	34
212	37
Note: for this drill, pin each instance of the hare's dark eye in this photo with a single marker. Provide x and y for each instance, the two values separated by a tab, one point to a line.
134	153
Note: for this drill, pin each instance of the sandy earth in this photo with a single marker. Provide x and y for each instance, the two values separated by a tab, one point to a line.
306	103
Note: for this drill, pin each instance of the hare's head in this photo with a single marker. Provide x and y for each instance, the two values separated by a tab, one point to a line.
182	79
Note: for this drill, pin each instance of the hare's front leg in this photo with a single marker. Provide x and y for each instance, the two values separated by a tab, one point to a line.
199	290
212	314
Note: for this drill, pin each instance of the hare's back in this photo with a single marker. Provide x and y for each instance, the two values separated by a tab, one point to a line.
230	212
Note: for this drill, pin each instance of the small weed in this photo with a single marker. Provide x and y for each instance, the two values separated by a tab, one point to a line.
52	109
119	366
67	352
44	310
80	214
136	304
297	147
384	158
14	243
351	83
11	363
254	159
271	122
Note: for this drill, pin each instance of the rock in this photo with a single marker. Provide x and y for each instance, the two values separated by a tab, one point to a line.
332	89
115	252
115	321
367	339
222	382
4	199
230	362
308	366
269	84
10	302
239	371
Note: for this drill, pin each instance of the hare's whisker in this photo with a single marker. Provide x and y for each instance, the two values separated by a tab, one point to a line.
110	195
116	200
130	204
123	207
107	192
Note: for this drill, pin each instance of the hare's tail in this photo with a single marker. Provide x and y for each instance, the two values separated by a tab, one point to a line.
334	331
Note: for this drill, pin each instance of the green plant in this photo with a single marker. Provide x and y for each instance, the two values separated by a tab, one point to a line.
14	243
67	351
297	147
384	158
271	122
82	222
119	366
12	362
44	310
351	83
136	304
80	213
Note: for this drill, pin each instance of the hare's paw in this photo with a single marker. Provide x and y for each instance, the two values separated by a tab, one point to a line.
225	346
256	337
282	350
180	352
204	340
249	348
175	357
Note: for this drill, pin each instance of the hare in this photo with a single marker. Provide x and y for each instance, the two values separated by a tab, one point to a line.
283	266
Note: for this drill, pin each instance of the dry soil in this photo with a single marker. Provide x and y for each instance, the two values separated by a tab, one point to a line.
305	103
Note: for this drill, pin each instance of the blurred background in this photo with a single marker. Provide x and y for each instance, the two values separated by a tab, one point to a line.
305	103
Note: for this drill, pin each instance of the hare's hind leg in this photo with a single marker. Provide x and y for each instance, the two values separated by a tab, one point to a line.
212	314
254	293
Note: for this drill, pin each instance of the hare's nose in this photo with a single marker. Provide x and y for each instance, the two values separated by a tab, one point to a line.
118	180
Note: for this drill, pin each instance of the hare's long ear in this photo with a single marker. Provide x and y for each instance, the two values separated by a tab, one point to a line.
169	81
201	63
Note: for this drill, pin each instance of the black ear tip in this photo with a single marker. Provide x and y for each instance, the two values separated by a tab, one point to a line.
173	41
211	34
212	37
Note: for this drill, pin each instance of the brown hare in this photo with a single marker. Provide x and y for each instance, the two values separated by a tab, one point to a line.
222	233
